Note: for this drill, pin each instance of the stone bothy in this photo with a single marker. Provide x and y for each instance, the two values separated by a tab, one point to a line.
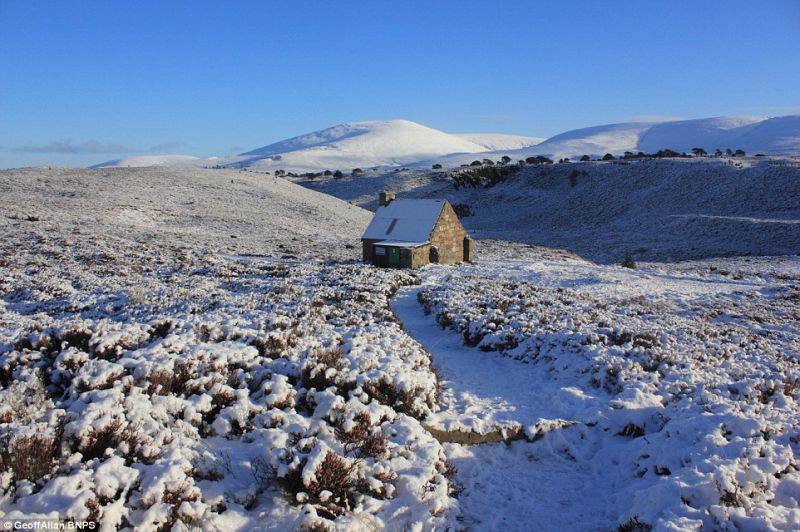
409	233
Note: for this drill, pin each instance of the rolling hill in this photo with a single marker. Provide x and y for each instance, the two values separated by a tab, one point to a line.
774	136
225	210
398	143
367	145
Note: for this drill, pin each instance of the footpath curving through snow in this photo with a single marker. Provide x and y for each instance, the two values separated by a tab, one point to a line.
661	397
546	484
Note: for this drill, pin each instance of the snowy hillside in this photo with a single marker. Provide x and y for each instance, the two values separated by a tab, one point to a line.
153	160
779	135
394	143
225	210
655	209
155	376
357	145
497	141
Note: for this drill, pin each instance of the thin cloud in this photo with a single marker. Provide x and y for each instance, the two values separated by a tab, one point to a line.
74	148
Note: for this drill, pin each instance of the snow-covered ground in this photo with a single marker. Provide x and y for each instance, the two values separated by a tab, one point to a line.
225	210
198	348
661	210
667	396
161	385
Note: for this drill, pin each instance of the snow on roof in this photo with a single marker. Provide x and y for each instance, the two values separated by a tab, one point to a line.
405	220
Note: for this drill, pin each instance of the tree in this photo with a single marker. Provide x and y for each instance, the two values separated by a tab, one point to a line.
357	172
699	152
328	173
728	152
718	153
488	162
585	158
338	174
539	159
505	159
437	166
738	153
475	163
608	157
628	262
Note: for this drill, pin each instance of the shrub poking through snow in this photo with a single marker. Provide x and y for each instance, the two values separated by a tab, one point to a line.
361	440
295	375
634	525
628	262
28	457
694	398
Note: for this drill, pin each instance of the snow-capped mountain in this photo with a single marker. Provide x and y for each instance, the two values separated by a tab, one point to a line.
753	134
153	160
382	143
497	141
367	144
392	143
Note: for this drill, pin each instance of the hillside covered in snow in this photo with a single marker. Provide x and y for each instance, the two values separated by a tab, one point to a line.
226	210
358	144
753	134
396	143
189	348
659	209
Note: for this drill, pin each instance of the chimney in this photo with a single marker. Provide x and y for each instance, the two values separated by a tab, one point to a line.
385	198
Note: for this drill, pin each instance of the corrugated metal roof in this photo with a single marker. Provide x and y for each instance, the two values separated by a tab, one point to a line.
405	220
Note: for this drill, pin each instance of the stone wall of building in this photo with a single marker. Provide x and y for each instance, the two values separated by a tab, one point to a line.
366	249
420	256
448	236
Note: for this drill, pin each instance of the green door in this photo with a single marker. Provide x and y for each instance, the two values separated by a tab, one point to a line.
394	257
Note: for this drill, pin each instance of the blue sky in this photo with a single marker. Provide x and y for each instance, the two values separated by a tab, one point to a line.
82	82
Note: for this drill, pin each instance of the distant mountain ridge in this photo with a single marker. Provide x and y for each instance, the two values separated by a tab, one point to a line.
752	134
394	143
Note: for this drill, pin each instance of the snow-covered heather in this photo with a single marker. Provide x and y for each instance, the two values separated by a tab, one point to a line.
198	348
150	386
666	395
